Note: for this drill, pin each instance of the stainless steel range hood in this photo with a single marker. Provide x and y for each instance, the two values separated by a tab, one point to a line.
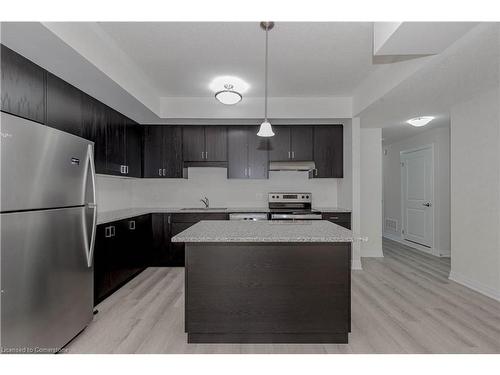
292	166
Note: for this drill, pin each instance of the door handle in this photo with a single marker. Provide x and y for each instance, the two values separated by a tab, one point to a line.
131	225
427	204
90	205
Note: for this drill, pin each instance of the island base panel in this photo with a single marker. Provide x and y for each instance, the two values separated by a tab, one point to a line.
267	338
268	292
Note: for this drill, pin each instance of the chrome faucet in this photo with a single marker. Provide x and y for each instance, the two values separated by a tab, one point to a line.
205	201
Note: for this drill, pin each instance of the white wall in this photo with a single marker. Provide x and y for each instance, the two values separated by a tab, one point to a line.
475	193
344	192
116	192
371	192
440	138
252	107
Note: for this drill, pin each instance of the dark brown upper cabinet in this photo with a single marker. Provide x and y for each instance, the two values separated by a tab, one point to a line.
329	151
115	143
247	153
162	151
64	106
291	143
204	143
94	129
22	86
133	135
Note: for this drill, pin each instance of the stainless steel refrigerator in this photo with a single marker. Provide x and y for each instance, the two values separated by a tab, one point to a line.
48	222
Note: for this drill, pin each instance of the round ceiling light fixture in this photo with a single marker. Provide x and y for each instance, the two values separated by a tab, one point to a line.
420	121
228	96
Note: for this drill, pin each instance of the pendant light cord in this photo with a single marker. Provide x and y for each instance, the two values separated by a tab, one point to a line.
265	92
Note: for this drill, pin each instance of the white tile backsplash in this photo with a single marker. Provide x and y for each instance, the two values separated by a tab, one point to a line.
115	192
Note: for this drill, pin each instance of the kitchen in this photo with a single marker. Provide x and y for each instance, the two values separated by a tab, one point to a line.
223	203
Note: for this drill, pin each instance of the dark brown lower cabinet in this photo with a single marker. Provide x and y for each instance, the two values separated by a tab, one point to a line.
122	250
179	222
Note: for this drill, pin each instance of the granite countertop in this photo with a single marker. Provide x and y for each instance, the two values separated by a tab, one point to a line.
265	231
114	215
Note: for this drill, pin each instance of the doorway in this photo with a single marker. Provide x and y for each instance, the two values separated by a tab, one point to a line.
417	195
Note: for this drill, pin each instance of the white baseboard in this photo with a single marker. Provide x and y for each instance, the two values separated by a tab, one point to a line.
435	252
475	285
356	264
371	254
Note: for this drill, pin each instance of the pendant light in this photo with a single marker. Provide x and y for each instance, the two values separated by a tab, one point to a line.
266	129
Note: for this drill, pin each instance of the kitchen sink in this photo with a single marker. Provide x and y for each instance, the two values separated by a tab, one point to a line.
204	209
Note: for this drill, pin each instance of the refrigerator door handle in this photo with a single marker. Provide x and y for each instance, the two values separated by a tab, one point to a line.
92	205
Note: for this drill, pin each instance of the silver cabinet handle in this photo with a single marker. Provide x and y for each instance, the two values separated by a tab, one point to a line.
289	157
206	155
293	154
164	172
333	218
202	155
131	225
159	172
246	173
249	171
315	171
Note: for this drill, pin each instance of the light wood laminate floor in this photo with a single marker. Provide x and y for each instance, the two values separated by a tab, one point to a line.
402	303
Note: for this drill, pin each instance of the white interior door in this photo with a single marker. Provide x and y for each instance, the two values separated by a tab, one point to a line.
417	196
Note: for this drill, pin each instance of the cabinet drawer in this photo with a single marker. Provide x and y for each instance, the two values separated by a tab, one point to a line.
195	217
341	218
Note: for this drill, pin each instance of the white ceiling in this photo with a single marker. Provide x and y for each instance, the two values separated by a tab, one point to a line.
468	67
305	59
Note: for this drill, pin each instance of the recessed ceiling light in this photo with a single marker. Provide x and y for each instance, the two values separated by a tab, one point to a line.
228	95
420	121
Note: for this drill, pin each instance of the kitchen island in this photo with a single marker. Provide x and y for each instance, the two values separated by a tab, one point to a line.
267	282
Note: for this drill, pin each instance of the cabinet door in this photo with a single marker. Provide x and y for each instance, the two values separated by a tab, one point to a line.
258	157
328	151
23	86
177	252
160	239
94	129
302	142
279	145
106	261
153	151
237	152
101	262
215	143
142	254
133	151
193	143
64	106
172	152
115	142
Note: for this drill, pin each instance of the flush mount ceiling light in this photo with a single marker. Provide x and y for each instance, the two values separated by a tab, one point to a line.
228	95
420	121
266	129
